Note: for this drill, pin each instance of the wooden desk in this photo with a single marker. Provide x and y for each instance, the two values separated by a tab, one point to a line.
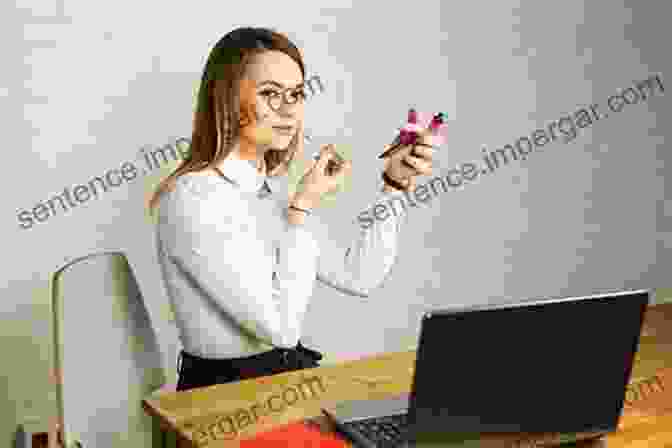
206	416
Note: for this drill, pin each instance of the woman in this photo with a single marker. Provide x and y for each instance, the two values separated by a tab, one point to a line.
238	255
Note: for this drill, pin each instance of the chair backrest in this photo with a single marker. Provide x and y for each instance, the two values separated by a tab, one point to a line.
106	354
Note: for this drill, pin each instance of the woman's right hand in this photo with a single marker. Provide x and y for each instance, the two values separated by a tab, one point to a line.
319	180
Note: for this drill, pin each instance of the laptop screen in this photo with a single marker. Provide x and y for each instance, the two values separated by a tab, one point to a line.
558	366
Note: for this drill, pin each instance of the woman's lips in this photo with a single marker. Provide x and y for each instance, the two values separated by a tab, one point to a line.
286	130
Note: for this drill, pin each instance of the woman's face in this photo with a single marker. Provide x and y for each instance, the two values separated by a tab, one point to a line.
276	80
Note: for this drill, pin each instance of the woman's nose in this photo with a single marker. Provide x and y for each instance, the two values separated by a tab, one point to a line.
287	110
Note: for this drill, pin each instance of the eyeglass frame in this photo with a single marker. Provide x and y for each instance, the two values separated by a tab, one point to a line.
283	97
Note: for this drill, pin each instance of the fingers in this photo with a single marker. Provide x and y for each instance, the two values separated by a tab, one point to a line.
411	184
427	137
345	168
434	137
422	166
300	139
325	156
391	148
423	151
330	162
337	167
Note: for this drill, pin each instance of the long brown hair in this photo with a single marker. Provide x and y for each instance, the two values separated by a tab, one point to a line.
219	113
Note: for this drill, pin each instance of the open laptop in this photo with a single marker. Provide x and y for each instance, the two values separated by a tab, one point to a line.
545	371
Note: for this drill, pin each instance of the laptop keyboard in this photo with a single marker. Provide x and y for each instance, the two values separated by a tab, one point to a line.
385	432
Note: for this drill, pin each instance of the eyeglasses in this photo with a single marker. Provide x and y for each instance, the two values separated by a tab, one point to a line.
275	99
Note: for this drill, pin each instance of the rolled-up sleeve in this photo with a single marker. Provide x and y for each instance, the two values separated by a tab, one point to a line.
358	265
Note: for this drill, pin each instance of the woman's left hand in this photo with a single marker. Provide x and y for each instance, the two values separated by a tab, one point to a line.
411	161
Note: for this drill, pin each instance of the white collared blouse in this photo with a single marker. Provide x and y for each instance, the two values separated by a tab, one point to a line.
239	275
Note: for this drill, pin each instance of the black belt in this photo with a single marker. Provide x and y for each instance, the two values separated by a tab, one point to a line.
298	357
314	355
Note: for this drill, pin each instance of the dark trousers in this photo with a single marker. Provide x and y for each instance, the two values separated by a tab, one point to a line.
195	371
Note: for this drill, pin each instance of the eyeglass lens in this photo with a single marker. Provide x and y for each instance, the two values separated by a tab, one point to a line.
289	96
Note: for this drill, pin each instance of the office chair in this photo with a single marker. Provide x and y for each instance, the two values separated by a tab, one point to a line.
106	355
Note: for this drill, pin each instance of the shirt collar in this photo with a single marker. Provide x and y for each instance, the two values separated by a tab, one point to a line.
246	176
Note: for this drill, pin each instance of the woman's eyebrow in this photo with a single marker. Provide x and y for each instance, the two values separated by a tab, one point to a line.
277	84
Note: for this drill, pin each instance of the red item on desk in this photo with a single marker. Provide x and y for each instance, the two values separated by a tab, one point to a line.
295	435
